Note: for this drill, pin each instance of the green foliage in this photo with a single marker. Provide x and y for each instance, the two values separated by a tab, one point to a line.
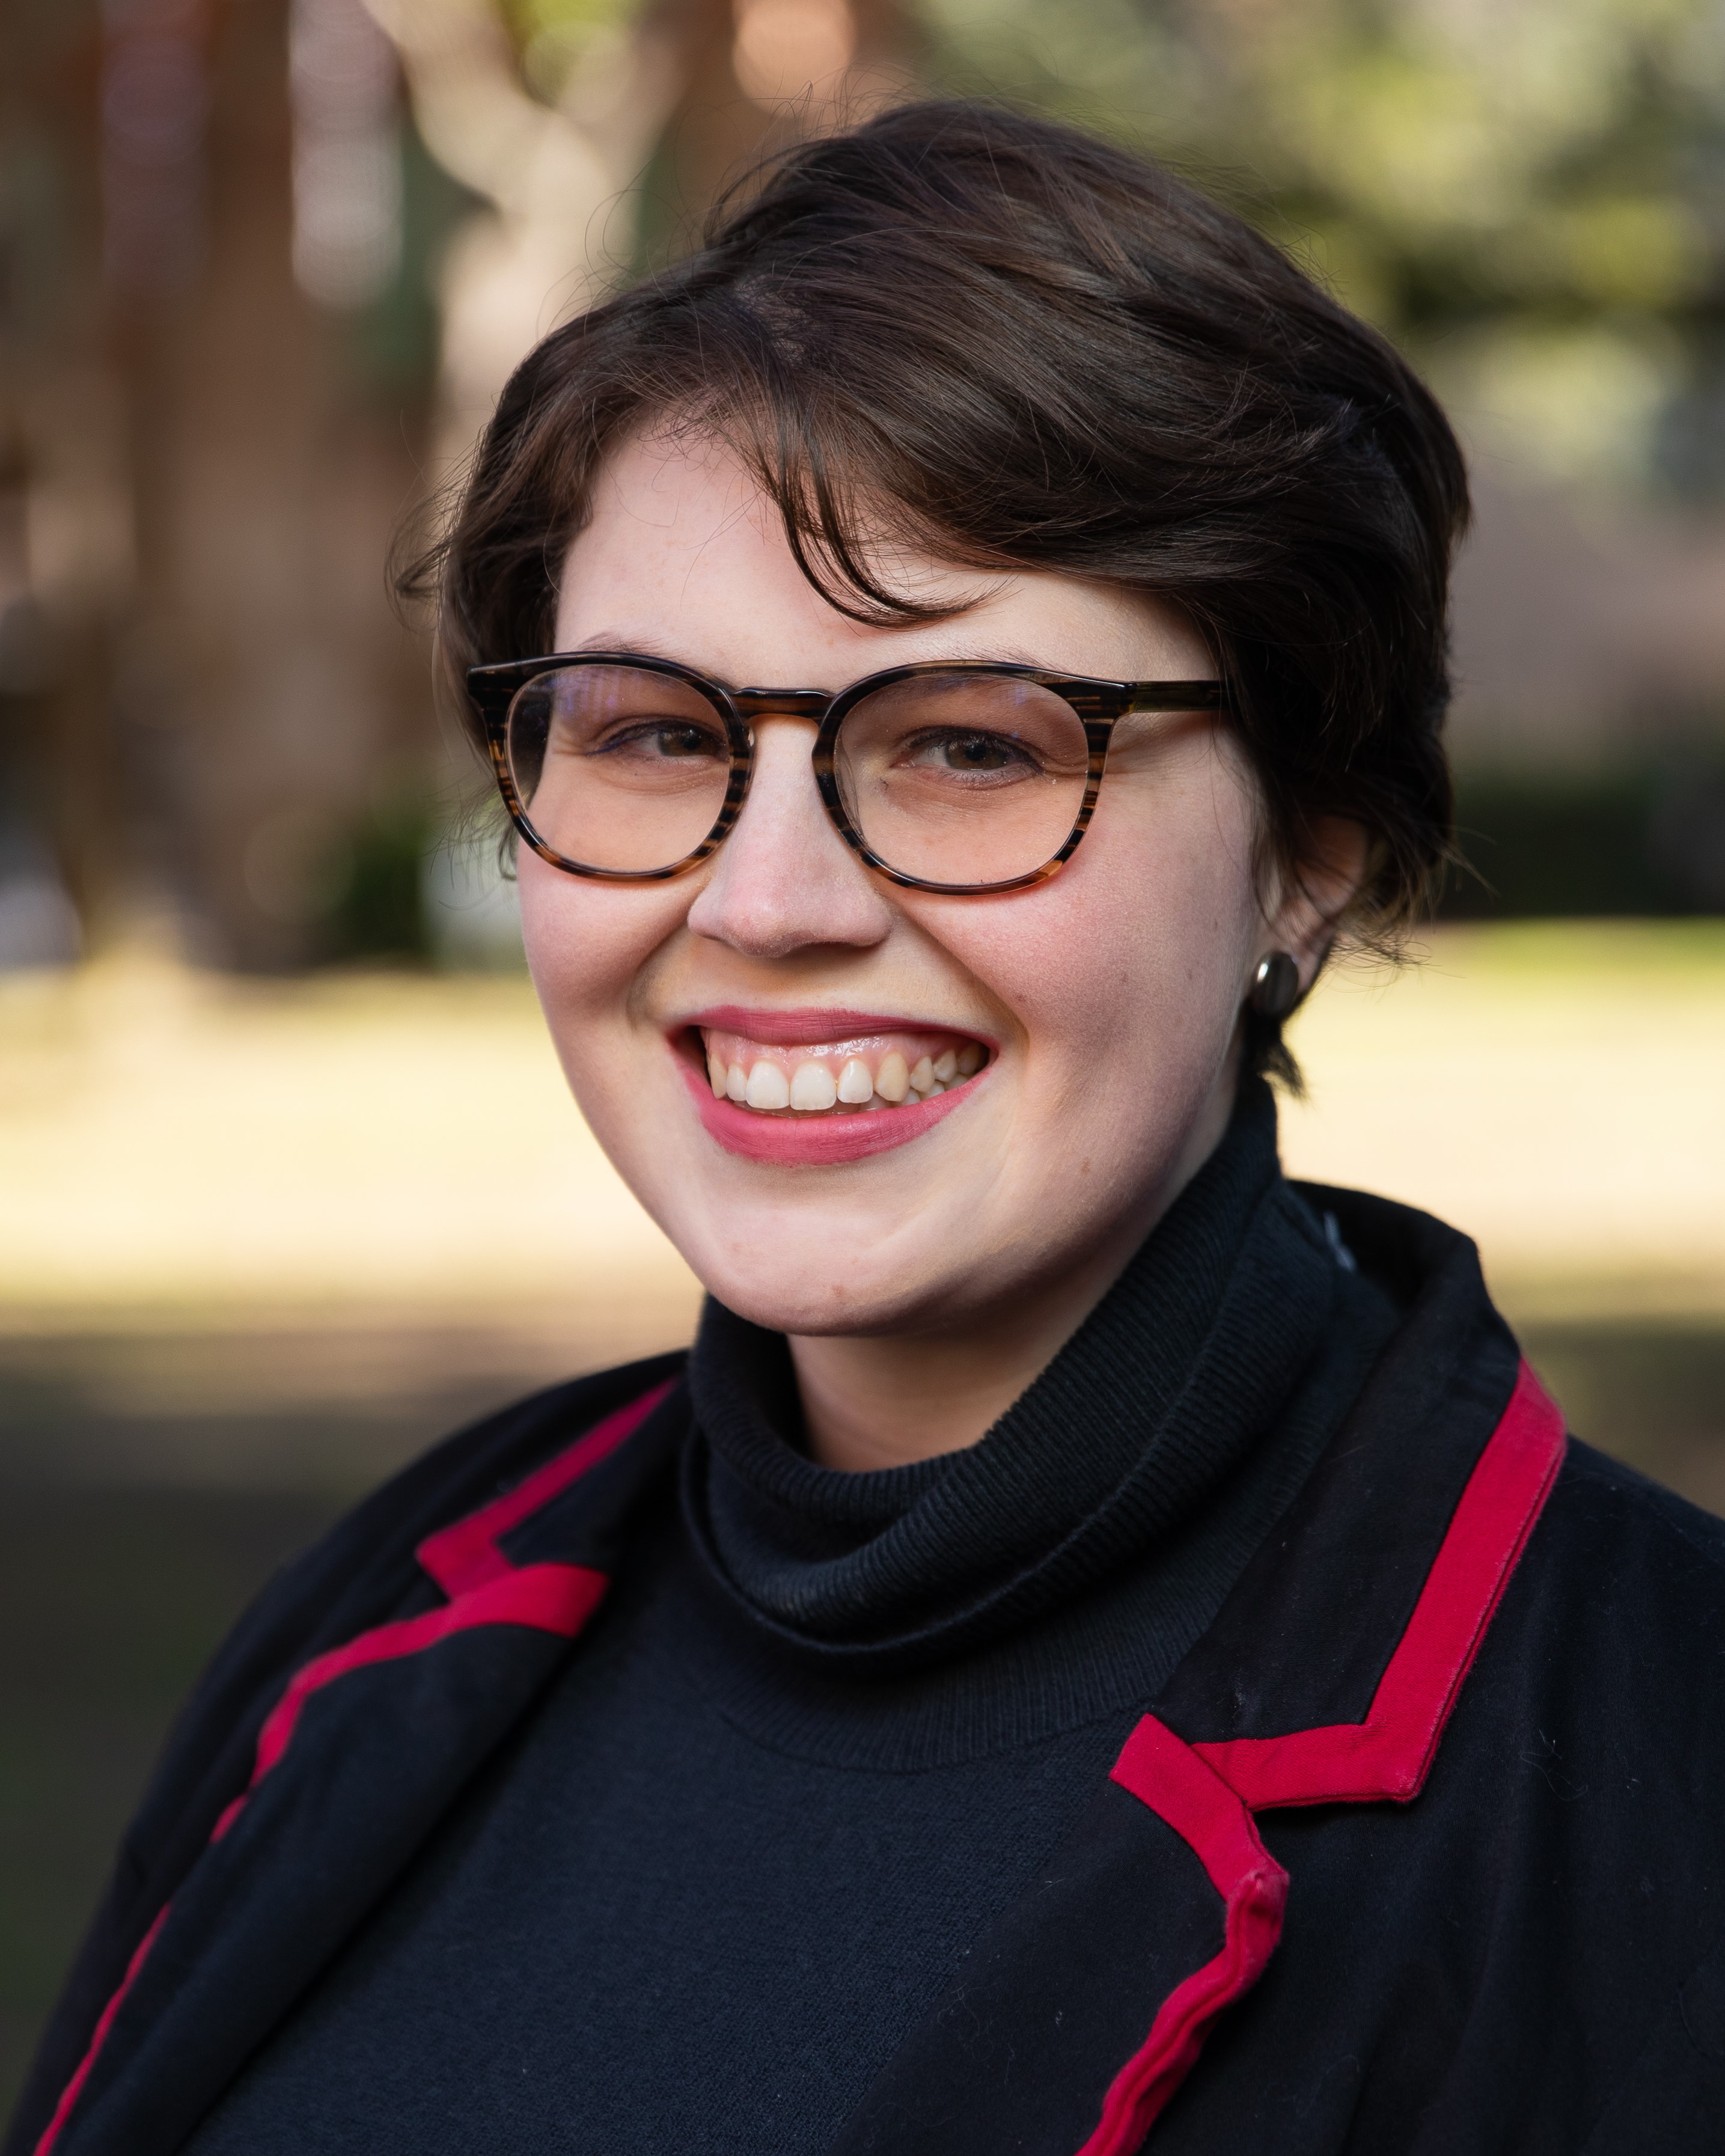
394	340
1631	837
380	912
1529	194
554	37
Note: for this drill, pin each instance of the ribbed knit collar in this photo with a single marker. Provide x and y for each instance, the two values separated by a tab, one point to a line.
1169	1383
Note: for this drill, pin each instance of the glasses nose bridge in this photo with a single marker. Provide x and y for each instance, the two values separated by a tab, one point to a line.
782	703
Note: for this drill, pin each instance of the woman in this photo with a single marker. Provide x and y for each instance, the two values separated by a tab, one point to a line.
1095	1641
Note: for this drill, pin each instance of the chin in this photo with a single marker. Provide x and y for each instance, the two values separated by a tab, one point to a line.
788	1287
806	1312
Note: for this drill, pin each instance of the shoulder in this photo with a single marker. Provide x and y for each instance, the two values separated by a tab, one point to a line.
1596	1495
371	1549
1621	1572
363	1571
485	1458
1594	1716
1574	1806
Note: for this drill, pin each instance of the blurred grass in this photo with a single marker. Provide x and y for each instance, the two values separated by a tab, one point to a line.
261	1242
1557	1090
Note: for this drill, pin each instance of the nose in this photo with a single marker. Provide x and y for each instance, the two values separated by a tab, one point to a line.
784	881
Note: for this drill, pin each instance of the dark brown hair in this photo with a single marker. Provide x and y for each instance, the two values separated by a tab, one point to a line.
1012	345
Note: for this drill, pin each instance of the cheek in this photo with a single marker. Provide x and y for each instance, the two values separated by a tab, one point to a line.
587	945
1126	970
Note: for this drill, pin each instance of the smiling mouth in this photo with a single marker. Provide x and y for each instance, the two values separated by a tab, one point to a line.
807	1081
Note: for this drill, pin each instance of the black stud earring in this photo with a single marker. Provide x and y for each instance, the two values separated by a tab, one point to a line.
1275	986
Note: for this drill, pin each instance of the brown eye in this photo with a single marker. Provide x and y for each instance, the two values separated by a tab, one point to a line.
669	741
980	754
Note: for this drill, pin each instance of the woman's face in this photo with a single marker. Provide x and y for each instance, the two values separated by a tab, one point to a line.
1100	1005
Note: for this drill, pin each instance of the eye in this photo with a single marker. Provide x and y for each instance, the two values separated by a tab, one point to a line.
678	740
970	755
662	740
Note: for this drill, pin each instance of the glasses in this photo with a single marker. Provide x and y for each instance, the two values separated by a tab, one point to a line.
945	776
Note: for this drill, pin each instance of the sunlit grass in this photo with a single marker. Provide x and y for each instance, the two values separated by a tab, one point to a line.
1556	1089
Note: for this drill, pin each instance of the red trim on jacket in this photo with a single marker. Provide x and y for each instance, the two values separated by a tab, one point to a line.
69	2094
1168	1776
1388	1754
466	1554
545	1598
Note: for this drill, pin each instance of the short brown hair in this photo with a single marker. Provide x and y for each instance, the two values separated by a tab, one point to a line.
1013	345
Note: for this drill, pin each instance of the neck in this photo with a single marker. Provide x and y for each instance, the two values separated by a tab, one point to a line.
871	1401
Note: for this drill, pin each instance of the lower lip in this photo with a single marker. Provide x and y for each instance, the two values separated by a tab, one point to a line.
820	1141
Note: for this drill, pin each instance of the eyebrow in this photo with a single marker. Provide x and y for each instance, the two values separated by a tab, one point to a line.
610	640
962	655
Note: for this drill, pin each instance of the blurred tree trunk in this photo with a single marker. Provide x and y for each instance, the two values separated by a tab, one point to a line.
264	673
212	469
756	76
624	162
65	544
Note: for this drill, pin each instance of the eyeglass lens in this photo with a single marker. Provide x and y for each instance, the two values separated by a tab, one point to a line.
619	769
951	779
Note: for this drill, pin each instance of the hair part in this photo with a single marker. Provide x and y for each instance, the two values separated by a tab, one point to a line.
997	341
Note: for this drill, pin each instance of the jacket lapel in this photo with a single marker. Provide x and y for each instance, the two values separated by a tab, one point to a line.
363	1754
1083	2011
1388	1751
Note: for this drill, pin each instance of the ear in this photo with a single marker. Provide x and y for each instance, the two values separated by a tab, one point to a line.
1313	894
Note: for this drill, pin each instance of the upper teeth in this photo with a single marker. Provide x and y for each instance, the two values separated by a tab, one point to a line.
768	1087
811	1081
812	1087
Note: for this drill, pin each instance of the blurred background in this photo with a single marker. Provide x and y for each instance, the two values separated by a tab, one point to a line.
264	267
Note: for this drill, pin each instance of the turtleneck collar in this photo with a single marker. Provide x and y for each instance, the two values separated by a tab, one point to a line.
1166	1387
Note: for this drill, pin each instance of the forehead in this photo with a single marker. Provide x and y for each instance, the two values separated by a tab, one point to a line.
682	555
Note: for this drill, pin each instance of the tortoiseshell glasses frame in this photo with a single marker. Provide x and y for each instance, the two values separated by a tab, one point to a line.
1098	705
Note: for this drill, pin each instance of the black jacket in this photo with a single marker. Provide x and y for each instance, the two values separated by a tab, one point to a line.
1415	1850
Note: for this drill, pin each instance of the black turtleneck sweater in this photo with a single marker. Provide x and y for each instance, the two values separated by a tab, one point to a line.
827	1727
